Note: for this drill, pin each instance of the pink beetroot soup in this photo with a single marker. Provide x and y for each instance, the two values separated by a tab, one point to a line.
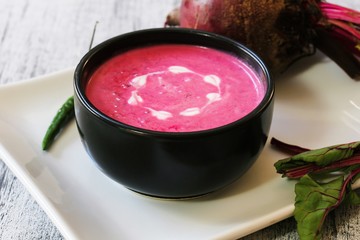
175	88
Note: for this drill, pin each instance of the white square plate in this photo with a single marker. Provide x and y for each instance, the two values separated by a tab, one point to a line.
316	105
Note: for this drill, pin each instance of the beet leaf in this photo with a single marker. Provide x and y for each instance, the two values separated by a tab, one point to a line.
327	158
315	199
312	203
325	179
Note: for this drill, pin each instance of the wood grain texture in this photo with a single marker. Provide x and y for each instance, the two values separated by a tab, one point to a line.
39	37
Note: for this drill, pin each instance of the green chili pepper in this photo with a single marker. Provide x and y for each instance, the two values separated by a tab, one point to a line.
64	114
62	117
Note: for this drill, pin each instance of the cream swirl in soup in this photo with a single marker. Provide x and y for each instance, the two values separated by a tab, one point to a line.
175	88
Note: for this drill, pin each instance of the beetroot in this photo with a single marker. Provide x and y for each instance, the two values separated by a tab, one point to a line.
280	31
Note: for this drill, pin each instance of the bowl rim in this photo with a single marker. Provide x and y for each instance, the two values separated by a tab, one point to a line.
81	96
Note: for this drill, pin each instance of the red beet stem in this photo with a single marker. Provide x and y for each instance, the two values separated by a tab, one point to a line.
339	52
348	28
332	11
287	148
347	39
338	36
298	172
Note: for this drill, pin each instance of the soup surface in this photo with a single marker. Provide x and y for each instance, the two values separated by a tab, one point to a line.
175	88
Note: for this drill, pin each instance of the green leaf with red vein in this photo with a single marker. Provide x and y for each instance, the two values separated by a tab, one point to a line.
327	158
312	203
325	178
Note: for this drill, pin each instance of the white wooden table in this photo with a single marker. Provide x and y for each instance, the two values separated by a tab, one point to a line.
41	36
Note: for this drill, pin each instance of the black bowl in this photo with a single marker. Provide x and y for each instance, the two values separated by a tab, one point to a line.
171	165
